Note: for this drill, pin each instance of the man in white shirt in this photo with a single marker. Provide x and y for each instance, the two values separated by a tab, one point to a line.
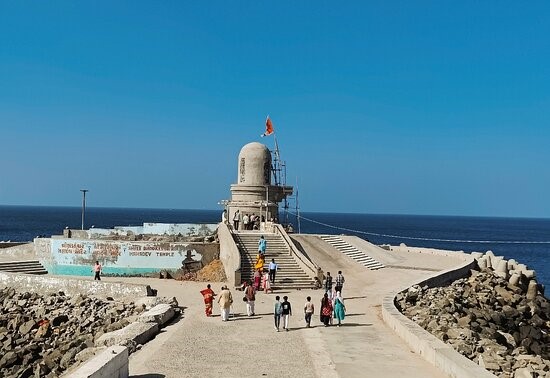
272	270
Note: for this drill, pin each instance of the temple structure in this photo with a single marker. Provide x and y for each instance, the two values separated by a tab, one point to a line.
258	190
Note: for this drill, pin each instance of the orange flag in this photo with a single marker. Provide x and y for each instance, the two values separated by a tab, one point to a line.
268	127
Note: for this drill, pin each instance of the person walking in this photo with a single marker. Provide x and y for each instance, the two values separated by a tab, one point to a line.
339	282
277	311
260	261
262	245
272	270
236	219
339	308
97	271
309	309
326	310
208	296
257	279
328	284
225	300
266	285
287	312
250	295
245	222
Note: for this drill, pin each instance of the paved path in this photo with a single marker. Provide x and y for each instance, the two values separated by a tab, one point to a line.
250	347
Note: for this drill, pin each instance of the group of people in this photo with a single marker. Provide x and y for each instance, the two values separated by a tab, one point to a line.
332	307
250	221
225	300
263	278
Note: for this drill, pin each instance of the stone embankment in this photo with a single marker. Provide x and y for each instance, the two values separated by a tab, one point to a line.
498	318
44	335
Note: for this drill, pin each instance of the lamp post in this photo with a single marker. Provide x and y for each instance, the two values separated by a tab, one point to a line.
83	205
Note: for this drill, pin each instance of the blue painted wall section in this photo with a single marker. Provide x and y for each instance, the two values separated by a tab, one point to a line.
76	257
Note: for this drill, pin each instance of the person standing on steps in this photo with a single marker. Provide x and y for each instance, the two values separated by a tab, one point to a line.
266	285
339	282
328	284
272	270
262	245
97	271
287	312
236	219
245	222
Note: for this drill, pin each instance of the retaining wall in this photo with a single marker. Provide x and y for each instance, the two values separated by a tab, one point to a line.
229	255
73	286
112	363
435	351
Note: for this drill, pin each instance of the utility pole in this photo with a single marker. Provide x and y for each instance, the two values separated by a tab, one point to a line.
83	205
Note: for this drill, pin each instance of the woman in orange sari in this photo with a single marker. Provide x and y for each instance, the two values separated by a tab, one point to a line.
208	295
260	261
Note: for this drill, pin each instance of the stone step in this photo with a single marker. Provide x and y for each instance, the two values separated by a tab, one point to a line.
29	271
352	252
290	274
24	267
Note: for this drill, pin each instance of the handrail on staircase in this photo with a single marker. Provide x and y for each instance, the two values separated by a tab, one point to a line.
305	262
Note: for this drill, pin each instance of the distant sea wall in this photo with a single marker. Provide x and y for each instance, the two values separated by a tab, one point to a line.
165	229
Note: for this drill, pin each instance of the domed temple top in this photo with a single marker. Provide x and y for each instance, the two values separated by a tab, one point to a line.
254	165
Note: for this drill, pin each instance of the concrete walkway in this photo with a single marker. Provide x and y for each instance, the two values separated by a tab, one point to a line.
250	347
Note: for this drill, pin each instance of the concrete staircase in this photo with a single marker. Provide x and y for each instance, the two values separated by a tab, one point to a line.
289	274
351	251
27	267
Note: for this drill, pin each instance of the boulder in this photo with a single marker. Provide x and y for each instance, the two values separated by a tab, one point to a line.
160	314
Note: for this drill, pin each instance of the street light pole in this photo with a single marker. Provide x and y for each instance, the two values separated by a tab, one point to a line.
83	205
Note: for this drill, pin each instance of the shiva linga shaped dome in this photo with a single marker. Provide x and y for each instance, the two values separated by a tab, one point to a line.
254	165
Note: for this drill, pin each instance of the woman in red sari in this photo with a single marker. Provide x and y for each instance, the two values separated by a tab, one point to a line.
326	310
257	279
208	295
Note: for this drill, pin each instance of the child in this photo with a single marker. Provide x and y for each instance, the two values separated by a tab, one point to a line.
287	311
278	310
308	311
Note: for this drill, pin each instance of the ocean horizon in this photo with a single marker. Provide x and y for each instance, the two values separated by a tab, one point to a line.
526	240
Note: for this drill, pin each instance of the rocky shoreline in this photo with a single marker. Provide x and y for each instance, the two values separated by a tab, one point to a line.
499	319
44	335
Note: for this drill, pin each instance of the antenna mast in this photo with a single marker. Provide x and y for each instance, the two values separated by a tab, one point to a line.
298	208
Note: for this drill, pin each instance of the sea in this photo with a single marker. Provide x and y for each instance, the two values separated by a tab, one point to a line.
527	240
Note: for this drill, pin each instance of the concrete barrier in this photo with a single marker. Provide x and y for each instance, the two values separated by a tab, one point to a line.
113	363
229	255
137	332
160	314
73	286
435	351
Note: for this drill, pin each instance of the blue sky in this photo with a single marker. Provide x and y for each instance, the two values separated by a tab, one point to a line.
378	107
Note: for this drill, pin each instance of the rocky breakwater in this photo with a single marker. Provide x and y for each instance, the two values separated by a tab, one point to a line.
498	318
44	335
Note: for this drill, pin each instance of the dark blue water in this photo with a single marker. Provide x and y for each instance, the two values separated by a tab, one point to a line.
23	223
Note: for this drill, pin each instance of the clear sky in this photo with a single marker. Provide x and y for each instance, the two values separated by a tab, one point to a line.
379	107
